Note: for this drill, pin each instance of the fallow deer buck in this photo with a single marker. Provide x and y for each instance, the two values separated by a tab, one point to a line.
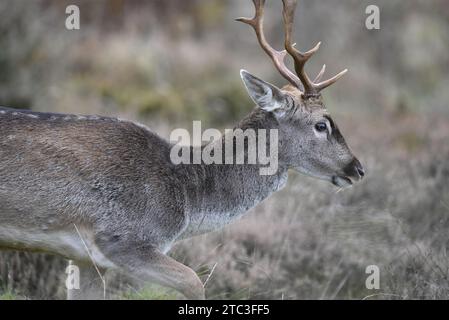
114	181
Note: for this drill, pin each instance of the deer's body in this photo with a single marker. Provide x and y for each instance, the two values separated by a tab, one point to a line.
103	189
113	179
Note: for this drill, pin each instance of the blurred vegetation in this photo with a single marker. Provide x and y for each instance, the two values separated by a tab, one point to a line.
150	293
8	296
166	63
179	61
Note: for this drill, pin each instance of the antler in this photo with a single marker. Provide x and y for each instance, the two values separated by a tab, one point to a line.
300	58
311	88
276	56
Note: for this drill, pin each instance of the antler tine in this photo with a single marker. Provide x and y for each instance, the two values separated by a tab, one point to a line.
320	74
326	83
276	56
300	58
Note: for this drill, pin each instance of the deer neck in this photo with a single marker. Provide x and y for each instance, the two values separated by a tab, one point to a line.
216	194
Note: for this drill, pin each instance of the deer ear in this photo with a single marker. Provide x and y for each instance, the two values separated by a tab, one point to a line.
267	96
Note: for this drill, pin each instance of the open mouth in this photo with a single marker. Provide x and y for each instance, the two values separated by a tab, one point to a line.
341	181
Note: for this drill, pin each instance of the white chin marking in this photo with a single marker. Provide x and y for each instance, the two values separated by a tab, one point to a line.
341	182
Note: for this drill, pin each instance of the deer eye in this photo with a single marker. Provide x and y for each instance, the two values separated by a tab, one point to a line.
320	127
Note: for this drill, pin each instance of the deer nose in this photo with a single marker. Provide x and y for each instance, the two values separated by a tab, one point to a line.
354	169
360	171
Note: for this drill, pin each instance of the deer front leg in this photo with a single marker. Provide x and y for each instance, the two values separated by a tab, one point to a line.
147	263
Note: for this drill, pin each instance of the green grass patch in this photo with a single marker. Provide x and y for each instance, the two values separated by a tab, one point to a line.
10	295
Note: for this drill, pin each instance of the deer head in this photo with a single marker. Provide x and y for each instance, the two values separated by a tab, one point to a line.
310	141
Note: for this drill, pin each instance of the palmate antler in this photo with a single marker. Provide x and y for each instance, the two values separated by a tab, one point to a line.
311	88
